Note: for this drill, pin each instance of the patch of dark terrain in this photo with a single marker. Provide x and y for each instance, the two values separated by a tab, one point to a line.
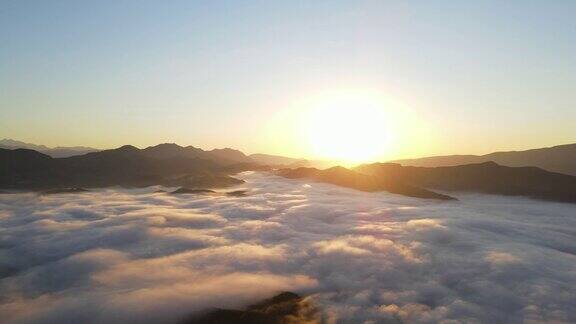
168	165
237	193
183	190
193	191
355	180
283	308
488	177
64	191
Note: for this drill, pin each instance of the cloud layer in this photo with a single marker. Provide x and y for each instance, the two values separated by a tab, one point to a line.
134	256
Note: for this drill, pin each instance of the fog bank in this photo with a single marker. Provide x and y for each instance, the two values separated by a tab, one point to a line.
134	256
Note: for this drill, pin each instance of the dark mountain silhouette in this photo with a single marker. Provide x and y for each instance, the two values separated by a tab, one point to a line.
223	156
283	308
487	177
561	158
351	179
164	164
230	155
60	151
170	150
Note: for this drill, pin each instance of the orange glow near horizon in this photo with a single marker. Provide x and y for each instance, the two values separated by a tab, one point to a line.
349	128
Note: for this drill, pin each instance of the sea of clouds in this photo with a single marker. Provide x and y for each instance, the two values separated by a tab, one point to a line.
135	256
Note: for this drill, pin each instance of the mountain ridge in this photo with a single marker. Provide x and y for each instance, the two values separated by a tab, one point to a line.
59	151
558	158
344	177
228	154
124	166
486	177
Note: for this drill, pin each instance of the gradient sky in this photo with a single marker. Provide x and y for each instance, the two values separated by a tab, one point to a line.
477	76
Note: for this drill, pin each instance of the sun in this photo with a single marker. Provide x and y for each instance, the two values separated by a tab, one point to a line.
349	128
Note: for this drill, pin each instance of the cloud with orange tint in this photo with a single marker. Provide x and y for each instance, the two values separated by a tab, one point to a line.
136	256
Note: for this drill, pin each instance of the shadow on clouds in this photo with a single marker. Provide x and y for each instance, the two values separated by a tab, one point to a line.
136	256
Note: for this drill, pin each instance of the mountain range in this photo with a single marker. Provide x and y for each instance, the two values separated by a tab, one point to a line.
561	158
344	177
418	182
164	164
228	154
57	152
487	177
192	168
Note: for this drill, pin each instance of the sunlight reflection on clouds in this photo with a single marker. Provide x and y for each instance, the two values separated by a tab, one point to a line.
118	256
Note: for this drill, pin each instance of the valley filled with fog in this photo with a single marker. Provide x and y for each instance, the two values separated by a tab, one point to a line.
141	256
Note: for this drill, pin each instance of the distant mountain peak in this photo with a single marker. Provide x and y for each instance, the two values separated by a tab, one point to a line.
127	148
166	145
56	152
231	154
224	149
19	144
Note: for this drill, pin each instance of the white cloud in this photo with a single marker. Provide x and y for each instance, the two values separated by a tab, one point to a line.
134	256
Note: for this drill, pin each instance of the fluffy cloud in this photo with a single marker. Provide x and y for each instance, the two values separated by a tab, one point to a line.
135	256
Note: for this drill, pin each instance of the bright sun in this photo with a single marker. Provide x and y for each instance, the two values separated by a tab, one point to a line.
349	128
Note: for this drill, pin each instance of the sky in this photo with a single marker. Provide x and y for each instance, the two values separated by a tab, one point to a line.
452	76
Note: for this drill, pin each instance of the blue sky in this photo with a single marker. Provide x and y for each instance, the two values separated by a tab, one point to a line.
482	75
